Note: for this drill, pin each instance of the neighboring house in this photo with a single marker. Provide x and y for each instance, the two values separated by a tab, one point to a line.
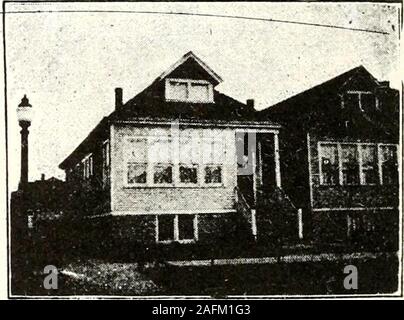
339	151
177	163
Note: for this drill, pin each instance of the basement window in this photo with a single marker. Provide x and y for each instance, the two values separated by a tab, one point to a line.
182	228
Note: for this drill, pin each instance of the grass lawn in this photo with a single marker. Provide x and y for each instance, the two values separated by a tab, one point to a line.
376	274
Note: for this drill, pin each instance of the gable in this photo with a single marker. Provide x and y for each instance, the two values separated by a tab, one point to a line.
360	82
190	69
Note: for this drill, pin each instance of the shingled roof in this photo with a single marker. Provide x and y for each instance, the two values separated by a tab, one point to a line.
151	105
321	104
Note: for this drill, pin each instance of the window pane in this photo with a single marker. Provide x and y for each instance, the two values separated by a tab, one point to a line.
213	150
166	227
369	164
368	102
136	173
189	150
178	90
329	164
189	174
213	174
389	164
163	174
136	150
186	227
160	151
351	101
350	165
199	92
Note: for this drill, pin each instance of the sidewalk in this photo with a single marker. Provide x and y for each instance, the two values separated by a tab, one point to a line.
292	258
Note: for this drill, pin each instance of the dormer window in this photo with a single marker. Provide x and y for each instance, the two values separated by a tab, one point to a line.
193	91
366	101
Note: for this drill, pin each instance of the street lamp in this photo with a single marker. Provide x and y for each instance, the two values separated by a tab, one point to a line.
24	116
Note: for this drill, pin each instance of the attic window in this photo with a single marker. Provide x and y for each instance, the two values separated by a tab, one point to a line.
365	100
189	90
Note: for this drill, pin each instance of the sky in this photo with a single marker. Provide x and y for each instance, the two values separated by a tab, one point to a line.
68	63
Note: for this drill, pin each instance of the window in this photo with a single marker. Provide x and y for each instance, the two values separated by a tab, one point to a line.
137	173
180	227
186	161
350	165
87	166
186	227
213	174
161	158
357	163
189	90
178	90
369	164
189	173
136	161
199	92
366	101
329	164
105	163
189	159
213	158
389	165
165	225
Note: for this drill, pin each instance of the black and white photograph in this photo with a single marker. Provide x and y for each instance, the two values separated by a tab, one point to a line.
222	150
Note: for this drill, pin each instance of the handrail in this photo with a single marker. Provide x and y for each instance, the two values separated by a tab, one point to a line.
243	205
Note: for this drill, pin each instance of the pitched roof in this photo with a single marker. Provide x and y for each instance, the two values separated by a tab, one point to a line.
333	85
320	106
150	104
216	79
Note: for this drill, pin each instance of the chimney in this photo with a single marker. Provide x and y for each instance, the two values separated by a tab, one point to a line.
384	84
250	103
43	177
118	98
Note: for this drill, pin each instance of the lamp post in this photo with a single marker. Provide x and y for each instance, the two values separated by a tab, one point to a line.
24	116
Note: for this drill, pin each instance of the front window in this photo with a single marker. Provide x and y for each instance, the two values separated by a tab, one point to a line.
189	159
357	163
369	164
161	157
213	174
213	158
136	161
350	165
389	165
136	173
329	164
189	173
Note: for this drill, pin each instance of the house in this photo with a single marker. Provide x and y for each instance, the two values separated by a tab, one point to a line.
178	163
340	149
